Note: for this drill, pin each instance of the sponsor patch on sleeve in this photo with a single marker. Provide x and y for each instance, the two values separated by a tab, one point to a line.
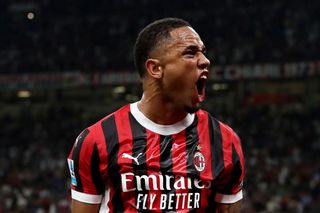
72	174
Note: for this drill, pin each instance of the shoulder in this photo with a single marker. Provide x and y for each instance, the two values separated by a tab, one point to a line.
98	125
227	131
95	134
218	126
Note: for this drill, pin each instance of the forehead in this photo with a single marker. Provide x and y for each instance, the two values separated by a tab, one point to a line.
185	36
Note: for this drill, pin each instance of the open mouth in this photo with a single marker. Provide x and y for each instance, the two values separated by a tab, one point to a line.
201	83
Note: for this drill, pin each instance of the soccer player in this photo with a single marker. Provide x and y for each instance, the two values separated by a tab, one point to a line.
162	153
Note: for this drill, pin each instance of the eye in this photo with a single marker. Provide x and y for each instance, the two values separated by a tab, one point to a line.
189	53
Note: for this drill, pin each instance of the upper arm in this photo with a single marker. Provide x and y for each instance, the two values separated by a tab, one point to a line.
229	208
80	207
87	184
229	182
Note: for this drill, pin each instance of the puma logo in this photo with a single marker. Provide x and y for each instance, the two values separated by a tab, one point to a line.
125	155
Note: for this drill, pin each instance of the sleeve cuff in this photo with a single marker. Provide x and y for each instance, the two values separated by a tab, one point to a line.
86	198
222	198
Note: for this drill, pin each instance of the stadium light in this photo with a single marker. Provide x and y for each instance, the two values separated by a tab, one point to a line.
219	86
119	90
24	94
30	15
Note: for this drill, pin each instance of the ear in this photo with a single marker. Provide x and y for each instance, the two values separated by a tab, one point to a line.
153	68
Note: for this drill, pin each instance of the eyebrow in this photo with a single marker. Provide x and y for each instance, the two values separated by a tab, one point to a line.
196	48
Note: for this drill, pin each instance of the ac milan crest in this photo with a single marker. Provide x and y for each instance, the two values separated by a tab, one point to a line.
199	161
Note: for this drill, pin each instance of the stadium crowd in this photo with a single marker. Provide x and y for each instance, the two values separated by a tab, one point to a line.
281	145
42	36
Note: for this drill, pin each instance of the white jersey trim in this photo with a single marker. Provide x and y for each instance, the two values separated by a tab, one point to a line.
104	204
86	198
222	198
158	128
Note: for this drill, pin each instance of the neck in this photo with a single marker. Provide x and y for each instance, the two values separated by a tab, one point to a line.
160	111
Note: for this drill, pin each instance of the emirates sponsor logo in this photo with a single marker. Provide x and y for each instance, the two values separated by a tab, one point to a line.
199	161
160	182
167	201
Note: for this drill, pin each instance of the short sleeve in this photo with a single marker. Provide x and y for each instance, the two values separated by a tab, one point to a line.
83	162
229	182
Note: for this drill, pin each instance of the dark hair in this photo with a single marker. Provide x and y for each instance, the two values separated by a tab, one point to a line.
150	37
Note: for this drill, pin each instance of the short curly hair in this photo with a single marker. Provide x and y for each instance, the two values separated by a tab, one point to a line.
150	37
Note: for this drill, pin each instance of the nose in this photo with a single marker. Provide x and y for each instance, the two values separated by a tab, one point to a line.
203	62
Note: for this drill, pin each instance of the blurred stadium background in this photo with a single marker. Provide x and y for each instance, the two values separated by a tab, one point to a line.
65	65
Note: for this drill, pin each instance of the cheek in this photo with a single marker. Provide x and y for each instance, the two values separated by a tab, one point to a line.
180	75
177	83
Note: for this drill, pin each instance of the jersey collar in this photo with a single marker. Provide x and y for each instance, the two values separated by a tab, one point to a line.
158	128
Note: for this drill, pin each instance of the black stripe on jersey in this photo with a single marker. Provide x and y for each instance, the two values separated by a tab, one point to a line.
166	163
192	142
236	172
216	157
216	146
139	146
95	170
76	158
112	143
139	151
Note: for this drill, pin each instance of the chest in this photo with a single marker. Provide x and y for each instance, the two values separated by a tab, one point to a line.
187	154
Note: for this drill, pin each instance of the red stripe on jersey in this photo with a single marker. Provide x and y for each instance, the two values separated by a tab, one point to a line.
112	143
226	144
179	164
153	163
204	147
238	147
227	138
98	137
85	159
102	149
125	149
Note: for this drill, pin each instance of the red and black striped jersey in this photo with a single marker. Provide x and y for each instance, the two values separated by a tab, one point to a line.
127	163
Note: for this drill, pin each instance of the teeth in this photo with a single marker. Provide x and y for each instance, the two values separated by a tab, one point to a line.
203	77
